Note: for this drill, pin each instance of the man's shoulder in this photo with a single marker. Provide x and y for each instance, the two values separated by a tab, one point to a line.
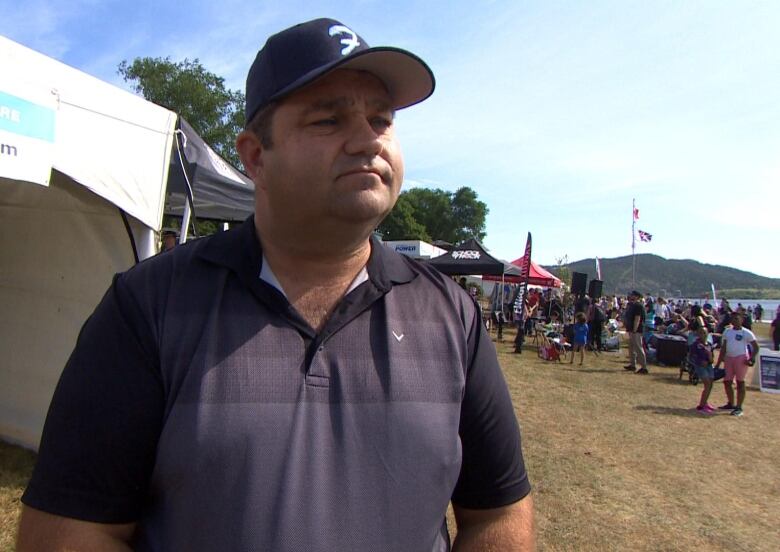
421	278
426	275
182	253
185	261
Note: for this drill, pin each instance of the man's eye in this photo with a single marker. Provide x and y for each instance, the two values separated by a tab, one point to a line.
382	122
330	121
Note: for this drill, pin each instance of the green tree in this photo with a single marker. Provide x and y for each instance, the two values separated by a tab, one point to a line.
186	87
400	224
469	213
426	214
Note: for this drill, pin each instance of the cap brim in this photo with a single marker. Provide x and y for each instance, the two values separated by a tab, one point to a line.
408	78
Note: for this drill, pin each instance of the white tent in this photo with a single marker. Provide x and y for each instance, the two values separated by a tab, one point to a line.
83	171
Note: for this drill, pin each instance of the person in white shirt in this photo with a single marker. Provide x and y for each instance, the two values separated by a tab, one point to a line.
739	348
662	309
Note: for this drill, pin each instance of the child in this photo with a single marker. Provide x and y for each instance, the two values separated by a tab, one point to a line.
701	356
580	336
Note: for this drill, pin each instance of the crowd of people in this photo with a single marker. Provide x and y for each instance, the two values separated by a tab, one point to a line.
715	335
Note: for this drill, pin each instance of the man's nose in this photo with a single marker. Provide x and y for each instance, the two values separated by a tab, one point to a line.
363	139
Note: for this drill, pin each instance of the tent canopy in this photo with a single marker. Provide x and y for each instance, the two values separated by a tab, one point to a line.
83	179
537	276
470	257
110	141
93	202
220	192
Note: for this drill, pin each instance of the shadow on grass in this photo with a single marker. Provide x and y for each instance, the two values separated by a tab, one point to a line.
591	370
670	378
673	411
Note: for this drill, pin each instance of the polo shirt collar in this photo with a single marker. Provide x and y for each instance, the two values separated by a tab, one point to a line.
240	251
236	249
386	267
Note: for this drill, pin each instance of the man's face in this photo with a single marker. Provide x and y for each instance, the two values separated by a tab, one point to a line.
335	157
169	242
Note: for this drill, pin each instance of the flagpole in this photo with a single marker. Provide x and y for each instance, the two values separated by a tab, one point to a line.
633	242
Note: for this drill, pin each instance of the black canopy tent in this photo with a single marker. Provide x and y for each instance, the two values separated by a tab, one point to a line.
470	257
217	190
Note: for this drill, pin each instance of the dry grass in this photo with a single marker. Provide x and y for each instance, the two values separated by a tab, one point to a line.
618	461
15	469
622	461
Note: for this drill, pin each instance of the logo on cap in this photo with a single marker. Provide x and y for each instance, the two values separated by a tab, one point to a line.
350	42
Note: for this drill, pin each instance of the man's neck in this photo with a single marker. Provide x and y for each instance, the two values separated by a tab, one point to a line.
314	280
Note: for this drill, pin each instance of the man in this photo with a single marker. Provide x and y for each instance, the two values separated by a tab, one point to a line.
738	347
747	318
678	325
634	321
663	310
582	304
596	319
292	384
169	238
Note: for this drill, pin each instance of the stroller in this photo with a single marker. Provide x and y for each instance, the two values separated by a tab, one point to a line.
552	346
688	367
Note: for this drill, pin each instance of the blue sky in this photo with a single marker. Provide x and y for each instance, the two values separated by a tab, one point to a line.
556	113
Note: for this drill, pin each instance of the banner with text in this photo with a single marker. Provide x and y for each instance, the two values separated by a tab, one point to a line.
769	371
519	306
27	128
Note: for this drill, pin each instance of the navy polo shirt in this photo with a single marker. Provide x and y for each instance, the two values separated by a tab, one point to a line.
199	404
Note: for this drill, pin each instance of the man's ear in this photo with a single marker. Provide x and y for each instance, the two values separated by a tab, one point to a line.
250	151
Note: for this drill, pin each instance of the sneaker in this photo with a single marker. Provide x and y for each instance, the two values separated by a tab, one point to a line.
629	367
709	408
736	412
703	410
642	371
727	406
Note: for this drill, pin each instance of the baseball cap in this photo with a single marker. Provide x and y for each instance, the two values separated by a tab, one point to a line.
305	52
635	293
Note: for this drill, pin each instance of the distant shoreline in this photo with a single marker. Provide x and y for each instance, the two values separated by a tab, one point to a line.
751	294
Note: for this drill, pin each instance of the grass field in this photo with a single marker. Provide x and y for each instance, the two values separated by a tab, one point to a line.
15	469
621	461
618	461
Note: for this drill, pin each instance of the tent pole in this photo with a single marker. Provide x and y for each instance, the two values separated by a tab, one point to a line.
132	238
502	291
185	222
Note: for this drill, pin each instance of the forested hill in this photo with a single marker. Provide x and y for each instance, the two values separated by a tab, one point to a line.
656	275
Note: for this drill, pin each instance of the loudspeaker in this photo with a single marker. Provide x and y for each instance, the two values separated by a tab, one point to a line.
579	280
594	288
